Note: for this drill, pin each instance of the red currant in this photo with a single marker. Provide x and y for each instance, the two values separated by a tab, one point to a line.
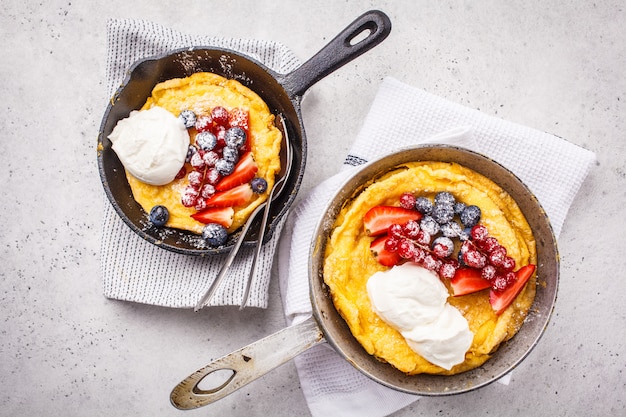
391	244
407	201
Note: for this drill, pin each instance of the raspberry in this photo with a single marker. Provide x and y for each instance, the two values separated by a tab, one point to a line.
239	117
508	264
220	115
407	201
204	123
497	256
499	283
488	272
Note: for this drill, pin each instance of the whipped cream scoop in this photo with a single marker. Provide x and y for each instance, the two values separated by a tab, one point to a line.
152	145
413	300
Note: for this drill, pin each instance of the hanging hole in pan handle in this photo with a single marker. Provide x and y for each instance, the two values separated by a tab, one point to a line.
364	33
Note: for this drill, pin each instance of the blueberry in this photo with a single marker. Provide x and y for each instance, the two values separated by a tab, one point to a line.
190	152
459	207
230	154
224	167
470	216
443	213
188	118
235	137
259	185
214	234
423	205
429	225
465	234
159	215
444	198
206	141
451	229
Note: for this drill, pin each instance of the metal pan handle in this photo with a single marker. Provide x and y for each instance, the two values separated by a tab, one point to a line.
247	364
373	26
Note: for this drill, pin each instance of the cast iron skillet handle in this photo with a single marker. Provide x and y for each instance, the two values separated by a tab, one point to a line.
374	26
247	364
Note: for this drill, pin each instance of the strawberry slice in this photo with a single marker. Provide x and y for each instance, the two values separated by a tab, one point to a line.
378	219
236	196
244	171
220	215
382	255
467	281
501	300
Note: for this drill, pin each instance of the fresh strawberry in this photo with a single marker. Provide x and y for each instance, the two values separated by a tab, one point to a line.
244	171
467	281
236	196
220	215
382	255
500	300
378	219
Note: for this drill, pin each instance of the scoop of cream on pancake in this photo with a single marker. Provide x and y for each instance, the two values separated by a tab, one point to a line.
152	145
413	300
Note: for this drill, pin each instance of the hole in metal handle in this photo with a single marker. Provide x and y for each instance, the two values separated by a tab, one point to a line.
214	381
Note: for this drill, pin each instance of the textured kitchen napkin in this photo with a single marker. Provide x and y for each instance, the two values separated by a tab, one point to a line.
401	115
135	270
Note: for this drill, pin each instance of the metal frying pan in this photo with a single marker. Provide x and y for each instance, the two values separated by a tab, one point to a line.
282	93
326	324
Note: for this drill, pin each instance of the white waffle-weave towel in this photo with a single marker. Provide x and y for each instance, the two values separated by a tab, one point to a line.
135	270
401	115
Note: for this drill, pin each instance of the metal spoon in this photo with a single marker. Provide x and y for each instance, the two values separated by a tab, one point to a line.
274	193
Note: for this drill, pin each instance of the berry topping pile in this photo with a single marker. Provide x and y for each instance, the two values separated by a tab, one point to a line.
446	236
220	169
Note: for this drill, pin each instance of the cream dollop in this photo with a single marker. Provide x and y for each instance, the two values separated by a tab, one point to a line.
152	145
413	300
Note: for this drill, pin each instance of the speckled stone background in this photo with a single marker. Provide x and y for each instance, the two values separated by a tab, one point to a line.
66	350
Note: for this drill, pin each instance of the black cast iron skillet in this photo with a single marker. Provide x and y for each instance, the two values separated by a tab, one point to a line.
282	93
326	324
